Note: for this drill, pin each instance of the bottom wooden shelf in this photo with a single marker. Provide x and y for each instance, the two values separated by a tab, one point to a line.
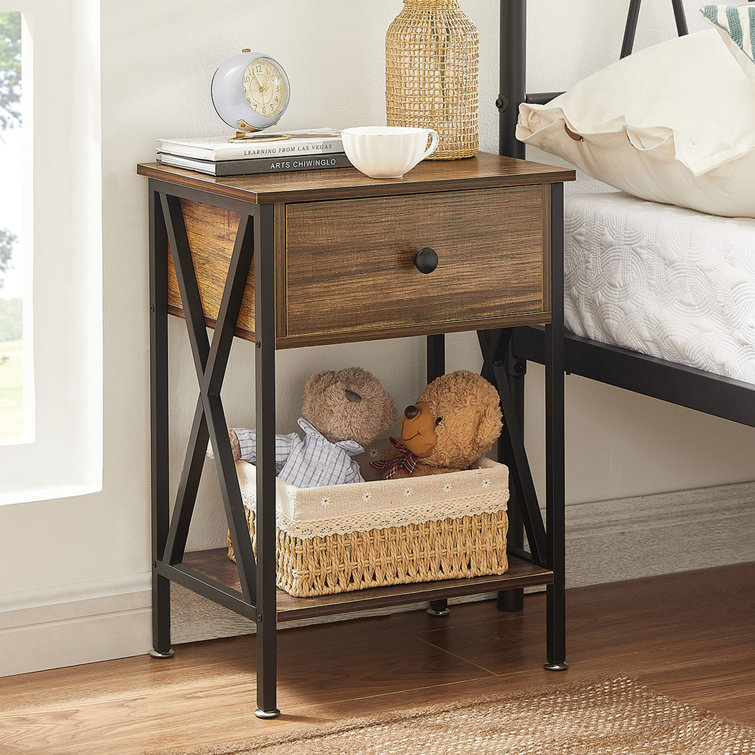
216	565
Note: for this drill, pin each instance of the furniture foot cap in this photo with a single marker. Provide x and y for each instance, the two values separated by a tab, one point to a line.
274	713
169	653
510	607
441	612
556	666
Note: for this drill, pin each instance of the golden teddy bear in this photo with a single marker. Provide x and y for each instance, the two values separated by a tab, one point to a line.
453	422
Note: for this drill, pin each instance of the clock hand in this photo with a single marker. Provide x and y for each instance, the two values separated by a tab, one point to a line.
265	92
272	80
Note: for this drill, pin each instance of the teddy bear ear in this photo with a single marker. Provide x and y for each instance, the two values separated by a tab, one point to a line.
317	381
491	423
390	412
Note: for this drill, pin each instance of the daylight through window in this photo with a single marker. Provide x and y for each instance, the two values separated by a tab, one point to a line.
16	398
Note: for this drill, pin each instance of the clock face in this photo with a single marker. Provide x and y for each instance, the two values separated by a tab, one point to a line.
265	87
250	91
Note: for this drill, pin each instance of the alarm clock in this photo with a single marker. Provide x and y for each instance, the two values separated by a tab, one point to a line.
250	91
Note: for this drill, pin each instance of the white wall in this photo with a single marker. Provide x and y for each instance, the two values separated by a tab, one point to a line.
157	61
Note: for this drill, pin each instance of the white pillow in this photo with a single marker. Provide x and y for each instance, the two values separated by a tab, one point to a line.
674	123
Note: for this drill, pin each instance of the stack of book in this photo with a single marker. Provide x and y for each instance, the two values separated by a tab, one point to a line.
313	149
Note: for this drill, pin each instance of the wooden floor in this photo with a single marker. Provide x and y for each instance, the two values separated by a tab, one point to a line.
689	635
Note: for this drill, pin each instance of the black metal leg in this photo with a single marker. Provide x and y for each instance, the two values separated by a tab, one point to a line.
168	231
257	576
513	600
158	262
436	366
495	345
512	65
264	289
554	443
436	357
507	374
210	362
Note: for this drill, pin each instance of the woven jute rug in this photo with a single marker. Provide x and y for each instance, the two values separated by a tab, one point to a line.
614	717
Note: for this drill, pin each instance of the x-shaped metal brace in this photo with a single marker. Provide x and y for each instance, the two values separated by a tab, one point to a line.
495	346
210	362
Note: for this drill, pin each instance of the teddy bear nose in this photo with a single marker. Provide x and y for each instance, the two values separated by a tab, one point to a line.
411	412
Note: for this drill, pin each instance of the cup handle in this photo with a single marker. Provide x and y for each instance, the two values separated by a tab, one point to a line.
433	134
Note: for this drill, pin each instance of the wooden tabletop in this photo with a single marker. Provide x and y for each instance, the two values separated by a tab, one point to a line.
482	171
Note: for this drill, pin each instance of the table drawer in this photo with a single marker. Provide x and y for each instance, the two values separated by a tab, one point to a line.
348	269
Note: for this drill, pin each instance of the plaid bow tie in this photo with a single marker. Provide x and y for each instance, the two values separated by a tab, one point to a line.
406	461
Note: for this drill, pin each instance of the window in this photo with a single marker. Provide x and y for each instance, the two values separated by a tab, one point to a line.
50	209
16	400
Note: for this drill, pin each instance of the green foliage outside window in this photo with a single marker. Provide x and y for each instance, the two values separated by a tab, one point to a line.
10	117
11	319
10	70
7	242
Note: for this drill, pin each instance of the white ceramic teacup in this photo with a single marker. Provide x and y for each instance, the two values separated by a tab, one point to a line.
387	151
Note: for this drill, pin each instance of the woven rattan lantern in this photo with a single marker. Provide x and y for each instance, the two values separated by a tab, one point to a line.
431	74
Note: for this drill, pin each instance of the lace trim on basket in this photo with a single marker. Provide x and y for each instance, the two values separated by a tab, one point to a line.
482	503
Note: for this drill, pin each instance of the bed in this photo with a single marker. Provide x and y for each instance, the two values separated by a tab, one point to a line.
685	333
678	345
661	280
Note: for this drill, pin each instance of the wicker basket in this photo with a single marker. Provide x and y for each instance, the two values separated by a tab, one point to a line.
431	74
349	537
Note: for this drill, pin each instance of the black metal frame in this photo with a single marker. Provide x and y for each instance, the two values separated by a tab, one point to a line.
513	62
703	391
257	598
506	371
633	15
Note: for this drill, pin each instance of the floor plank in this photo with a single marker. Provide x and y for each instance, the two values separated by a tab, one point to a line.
688	635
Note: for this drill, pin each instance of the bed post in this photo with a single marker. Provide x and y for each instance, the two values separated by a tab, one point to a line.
633	14
512	68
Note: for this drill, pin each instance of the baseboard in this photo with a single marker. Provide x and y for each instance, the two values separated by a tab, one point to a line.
606	541
631	538
75	624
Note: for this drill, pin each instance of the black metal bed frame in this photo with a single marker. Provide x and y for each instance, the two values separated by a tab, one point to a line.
693	388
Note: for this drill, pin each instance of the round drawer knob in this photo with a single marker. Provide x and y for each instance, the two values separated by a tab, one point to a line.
426	260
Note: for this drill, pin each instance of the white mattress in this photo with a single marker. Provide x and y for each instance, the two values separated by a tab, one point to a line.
662	280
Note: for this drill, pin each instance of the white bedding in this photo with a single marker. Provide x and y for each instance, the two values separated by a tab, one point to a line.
661	280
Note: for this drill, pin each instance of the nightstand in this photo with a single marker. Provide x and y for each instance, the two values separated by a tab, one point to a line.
301	259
